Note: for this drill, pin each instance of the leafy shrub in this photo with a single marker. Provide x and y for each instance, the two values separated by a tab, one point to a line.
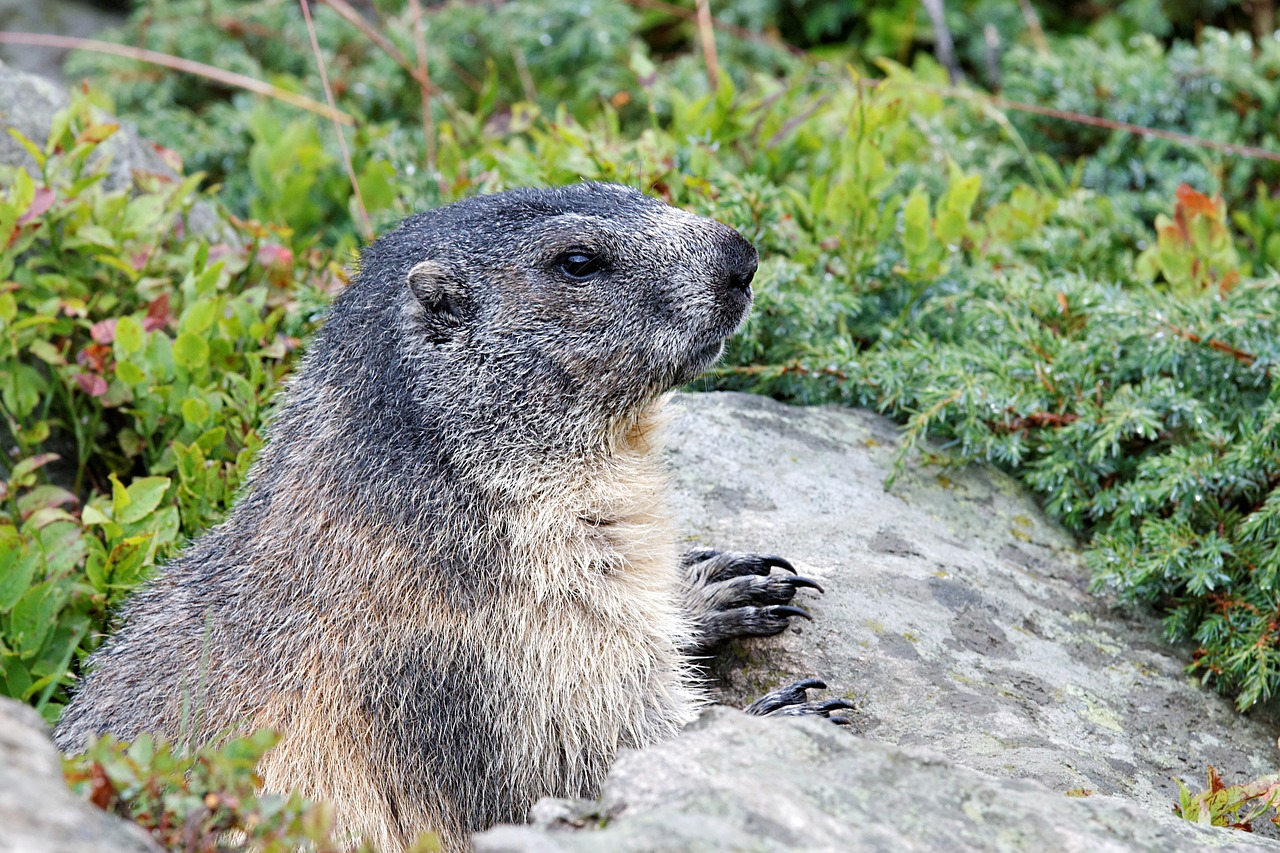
1236	806
1223	87
482	59
205	801
1146	416
921	255
136	363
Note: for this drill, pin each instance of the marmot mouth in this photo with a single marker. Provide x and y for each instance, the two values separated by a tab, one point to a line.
698	361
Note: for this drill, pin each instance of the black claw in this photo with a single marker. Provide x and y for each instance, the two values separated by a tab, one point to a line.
790	701
774	560
809	684
834	705
840	721
801	580
784	611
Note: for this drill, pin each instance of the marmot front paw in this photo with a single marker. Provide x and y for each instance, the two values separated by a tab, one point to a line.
735	595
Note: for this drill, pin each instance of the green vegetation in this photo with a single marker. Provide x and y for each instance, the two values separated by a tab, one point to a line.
192	802
1236	806
1093	310
138	359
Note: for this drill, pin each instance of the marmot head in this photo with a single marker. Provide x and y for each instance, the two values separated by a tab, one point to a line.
551	309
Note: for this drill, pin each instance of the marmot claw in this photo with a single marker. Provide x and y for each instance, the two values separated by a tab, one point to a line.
722	565
792	701
731	595
786	611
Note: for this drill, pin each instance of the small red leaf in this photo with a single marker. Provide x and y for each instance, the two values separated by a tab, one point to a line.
171	158
1215	781
92	384
95	133
41	202
138	260
103	331
93	356
101	793
158	315
274	255
1196	202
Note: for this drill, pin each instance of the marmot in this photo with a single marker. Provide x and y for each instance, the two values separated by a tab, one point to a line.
449	582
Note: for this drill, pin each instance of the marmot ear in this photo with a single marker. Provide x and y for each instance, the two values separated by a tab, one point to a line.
440	296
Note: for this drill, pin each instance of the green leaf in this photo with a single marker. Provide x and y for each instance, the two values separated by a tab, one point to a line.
915	226
20	389
63	546
92	515
145	494
17	678
46	352
126	562
17	568
26	467
128	372
120	498
92	235
195	411
190	351
130	337
200	316
31	620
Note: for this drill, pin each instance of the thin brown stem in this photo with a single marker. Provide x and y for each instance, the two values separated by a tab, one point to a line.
959	92
707	38
723	26
522	71
1239	355
1032	20
366	226
177	63
348	13
424	85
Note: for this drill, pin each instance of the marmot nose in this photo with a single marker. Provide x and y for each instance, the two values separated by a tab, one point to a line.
738	264
742	280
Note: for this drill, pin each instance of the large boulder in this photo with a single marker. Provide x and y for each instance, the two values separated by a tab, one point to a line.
749	785
957	618
37	812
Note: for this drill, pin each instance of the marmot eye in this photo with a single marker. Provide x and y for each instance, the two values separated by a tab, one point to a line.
579	264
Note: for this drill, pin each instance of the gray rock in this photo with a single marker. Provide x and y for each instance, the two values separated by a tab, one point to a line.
60	17
733	782
37	812
957	618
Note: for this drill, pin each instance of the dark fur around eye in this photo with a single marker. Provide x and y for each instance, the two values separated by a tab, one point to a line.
580	264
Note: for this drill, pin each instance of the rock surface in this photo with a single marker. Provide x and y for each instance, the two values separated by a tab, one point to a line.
60	17
37	812
957	617
733	782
